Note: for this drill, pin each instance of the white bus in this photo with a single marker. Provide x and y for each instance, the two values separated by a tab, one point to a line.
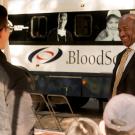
71	61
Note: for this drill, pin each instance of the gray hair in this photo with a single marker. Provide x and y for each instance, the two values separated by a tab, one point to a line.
83	126
119	113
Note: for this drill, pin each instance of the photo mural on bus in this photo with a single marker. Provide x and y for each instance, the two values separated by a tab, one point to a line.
67	28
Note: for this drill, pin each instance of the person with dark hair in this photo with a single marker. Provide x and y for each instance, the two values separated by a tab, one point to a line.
123	78
83	126
110	33
118	116
16	115
60	34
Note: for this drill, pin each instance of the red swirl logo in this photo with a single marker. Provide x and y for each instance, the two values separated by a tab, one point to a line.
45	55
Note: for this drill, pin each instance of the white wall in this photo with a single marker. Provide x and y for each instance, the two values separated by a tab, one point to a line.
27	6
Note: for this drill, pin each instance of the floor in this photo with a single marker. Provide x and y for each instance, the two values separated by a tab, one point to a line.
90	110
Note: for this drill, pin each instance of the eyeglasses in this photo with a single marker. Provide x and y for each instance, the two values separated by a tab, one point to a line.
10	26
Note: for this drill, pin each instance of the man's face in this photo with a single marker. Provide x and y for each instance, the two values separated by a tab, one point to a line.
127	31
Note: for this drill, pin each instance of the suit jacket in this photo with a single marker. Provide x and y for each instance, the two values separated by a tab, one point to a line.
127	82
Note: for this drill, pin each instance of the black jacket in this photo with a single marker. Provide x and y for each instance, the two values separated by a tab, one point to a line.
127	82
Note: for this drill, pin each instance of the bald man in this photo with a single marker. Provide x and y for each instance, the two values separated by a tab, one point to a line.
125	83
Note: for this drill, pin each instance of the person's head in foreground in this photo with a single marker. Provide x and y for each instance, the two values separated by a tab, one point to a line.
119	115
4	31
83	126
5	28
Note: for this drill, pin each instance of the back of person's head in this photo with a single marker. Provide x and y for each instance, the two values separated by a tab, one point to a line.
83	126
119	115
3	17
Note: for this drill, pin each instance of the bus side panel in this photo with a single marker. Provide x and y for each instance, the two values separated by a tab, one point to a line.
71	71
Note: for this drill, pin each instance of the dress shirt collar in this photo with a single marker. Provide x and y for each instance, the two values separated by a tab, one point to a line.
132	46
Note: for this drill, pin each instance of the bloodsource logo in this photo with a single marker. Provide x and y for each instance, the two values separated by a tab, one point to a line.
44	55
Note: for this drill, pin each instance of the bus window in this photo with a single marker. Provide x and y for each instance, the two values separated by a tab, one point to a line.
38	26
83	25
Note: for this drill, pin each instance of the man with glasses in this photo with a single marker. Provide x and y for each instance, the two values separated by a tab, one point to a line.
16	115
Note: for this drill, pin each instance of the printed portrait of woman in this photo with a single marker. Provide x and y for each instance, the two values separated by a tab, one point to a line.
110	33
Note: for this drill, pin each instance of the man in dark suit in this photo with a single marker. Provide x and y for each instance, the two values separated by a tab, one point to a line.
126	82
